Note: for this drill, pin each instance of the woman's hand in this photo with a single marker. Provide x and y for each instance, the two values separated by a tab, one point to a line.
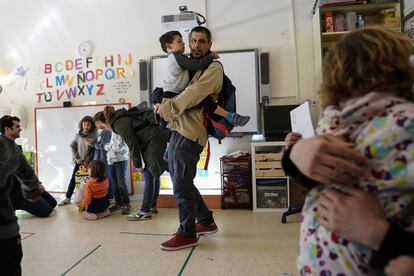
158	110
328	160
292	138
401	266
353	214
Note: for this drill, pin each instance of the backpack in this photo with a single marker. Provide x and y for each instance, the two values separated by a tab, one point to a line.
142	112
217	126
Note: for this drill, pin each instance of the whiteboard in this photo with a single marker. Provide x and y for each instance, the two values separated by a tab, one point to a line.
241	67
55	128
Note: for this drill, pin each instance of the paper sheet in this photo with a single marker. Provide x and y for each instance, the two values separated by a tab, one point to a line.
301	120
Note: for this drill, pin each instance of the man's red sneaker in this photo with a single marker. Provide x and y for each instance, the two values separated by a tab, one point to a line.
206	229
178	242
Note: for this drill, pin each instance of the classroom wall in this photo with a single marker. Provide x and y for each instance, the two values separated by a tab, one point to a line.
408	7
39	32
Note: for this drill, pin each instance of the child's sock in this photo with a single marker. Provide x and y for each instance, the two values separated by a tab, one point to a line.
230	116
237	119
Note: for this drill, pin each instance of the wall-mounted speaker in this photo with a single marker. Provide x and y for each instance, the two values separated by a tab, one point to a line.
264	79
143	81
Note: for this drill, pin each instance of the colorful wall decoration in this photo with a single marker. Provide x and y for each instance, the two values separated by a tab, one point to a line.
83	77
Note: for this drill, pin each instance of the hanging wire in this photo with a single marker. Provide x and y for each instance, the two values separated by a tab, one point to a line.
199	22
315	5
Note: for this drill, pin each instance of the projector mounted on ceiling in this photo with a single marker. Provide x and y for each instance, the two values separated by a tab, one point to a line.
185	20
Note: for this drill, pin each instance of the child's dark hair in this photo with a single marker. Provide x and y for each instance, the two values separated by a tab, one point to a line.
98	170
87	119
168	37
99	117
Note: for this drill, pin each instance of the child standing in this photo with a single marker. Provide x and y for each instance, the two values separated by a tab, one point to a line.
149	202
95	193
82	151
100	152
118	157
178	75
367	95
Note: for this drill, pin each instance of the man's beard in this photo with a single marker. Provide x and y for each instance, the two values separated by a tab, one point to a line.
199	54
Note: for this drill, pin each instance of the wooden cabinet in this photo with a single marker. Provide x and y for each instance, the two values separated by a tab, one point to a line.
236	182
386	13
270	184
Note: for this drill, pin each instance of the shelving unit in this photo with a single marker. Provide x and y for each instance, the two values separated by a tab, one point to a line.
323	40
236	182
270	184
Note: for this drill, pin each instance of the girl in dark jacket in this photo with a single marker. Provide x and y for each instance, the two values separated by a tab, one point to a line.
147	141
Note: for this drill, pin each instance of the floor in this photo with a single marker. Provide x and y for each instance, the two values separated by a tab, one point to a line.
247	243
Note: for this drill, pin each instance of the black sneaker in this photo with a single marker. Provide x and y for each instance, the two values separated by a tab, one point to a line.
114	207
126	210
240	120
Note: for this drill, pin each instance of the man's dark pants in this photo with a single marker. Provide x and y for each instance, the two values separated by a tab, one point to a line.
182	163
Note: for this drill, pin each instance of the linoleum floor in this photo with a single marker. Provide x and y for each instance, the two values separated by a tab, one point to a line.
247	243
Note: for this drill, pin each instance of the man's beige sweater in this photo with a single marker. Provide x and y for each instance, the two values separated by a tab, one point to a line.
184	113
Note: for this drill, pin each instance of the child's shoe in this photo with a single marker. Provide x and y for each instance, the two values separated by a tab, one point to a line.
126	209
114	207
103	214
240	120
140	215
64	202
89	216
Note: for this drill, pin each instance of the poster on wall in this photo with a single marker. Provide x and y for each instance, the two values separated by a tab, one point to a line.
73	78
87	77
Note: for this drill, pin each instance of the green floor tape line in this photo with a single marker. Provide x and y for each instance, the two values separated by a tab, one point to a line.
25	235
78	262
146	234
187	259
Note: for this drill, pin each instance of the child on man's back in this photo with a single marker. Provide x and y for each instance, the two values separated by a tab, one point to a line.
178	75
95	193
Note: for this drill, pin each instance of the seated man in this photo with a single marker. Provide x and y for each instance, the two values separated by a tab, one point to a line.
40	208
10	130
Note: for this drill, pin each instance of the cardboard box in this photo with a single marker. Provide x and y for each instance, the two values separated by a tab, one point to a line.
392	22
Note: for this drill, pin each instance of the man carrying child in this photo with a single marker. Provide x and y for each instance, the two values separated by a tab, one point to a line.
184	115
